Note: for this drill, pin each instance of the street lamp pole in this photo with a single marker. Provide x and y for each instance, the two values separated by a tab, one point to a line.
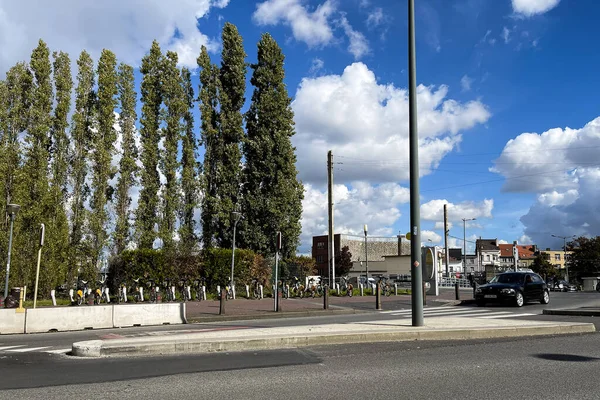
366	257
465	244
237	216
12	210
564	238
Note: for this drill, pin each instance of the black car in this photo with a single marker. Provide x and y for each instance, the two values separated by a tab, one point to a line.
513	287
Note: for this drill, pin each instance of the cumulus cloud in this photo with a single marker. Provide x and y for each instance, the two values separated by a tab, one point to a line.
434	210
430	235
529	8
440	225
365	123
312	28
465	83
126	27
358	43
355	205
316	66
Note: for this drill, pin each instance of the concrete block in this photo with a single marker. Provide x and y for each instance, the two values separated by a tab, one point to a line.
11	321
68	318
149	314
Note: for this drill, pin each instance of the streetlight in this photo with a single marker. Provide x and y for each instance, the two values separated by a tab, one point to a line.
366	257
237	215
12	210
564	238
465	243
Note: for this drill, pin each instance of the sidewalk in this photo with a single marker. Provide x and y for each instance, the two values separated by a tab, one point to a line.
246	338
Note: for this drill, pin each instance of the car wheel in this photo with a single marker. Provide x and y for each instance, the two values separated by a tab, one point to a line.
519	300
545	297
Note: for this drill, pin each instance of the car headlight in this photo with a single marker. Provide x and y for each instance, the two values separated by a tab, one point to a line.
507	291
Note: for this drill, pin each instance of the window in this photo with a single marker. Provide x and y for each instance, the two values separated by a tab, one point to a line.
557	257
487	257
320	245
537	279
320	259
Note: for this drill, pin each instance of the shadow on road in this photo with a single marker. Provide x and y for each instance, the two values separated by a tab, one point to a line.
566	357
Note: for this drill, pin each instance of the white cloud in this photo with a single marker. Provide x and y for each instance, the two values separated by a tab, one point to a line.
426	235
552	160
355	205
316	66
434	210
365	124
502	241
375	18
465	83
125	27
440	225
529	8
505	34
313	28
359	45
555	198
524	239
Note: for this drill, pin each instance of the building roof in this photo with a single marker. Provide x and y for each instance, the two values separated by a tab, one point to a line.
487	244
525	250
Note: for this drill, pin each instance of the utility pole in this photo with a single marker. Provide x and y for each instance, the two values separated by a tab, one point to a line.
331	241
446	256
415	204
366	257
564	238
464	220
516	255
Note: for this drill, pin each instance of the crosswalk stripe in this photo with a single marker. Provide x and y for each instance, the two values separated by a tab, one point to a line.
425	309
59	351
486	314
9	347
27	349
508	316
440	312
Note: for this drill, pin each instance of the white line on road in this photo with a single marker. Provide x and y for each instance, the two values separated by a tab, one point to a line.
9	347
440	312
425	309
27	349
59	351
509	316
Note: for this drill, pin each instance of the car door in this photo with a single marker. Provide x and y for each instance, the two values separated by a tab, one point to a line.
533	286
529	287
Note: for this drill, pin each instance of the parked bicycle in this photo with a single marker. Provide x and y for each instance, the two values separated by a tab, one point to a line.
255	289
169	295
386	288
82	293
137	292
346	287
100	294
153	296
185	296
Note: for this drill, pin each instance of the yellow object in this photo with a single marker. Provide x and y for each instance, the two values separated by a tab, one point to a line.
408	235
20	309
80	293
98	292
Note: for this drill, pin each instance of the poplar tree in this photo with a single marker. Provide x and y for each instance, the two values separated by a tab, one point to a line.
33	183
175	107
103	145
213	146
57	226
189	170
232	78
82	125
127	164
272	194
146	213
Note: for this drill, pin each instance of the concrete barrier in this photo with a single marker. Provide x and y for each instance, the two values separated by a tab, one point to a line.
11	321
148	314
68	318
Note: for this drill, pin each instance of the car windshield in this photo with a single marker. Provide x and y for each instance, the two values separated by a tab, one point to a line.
508	278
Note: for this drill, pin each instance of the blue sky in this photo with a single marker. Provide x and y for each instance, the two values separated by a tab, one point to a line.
508	102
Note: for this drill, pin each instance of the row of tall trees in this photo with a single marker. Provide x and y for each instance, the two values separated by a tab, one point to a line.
77	170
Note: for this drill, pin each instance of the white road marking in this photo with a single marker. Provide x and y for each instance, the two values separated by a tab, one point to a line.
27	349
10	347
509	316
59	351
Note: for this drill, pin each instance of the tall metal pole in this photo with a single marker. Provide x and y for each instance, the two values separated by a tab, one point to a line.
366	258
446	256
415	211
331	242
12	220
464	247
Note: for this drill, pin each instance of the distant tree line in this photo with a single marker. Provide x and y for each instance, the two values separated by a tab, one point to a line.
74	152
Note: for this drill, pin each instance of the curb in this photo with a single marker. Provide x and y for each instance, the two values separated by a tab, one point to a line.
174	345
273	315
580	313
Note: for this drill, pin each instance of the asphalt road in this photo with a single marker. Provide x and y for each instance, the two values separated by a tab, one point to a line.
562	367
60	342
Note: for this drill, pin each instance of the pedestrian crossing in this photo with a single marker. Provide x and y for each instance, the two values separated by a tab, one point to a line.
446	311
19	349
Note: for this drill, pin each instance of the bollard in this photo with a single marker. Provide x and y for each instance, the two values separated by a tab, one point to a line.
141	293
203	292
107	295
20	309
218	290
189	293
395	289
173	291
261	292
287	291
457	291
337	288
222	302
247	291
424	295
326	298
232	292
125	294
378	297
53	295
71	296
25	293
362	293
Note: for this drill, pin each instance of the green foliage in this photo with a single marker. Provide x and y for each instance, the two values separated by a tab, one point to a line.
127	165
175	103
146	214
217	266
103	149
189	171
343	262
301	266
213	146
272	194
542	266
585	258
232	78
82	123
